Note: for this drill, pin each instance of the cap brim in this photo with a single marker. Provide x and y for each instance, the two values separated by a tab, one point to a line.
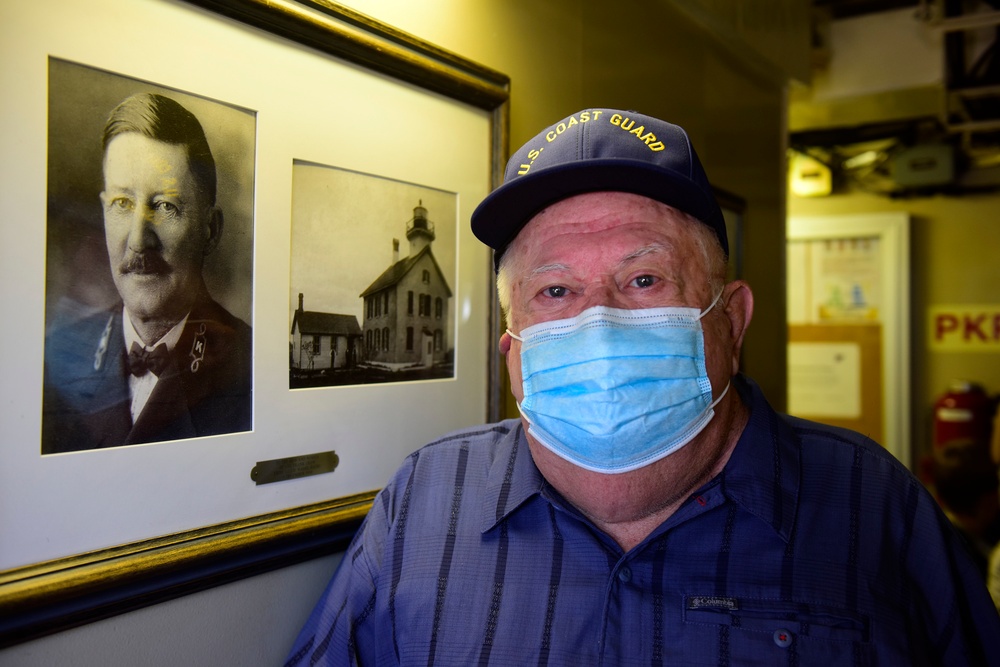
502	214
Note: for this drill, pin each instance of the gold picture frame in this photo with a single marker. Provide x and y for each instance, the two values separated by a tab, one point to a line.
69	590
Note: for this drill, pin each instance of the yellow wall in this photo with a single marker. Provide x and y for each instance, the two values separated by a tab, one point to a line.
662	59
955	259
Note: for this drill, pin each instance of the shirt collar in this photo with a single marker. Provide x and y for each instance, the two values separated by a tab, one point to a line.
132	336
763	472
512	478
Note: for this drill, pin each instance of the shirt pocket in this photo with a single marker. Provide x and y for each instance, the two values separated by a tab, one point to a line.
756	628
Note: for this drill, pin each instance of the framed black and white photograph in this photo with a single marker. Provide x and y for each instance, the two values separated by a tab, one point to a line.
94	529
372	269
141	238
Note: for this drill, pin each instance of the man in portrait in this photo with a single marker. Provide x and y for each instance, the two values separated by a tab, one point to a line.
166	362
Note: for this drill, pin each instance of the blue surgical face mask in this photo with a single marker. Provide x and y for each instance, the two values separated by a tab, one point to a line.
613	390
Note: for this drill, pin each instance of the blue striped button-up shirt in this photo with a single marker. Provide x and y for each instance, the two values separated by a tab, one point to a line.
812	547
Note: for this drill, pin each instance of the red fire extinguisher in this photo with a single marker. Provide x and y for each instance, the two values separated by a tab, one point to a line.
963	415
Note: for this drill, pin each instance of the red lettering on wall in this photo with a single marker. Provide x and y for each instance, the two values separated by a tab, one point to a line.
973	326
944	324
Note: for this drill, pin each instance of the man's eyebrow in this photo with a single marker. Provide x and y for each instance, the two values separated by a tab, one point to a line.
650	249
113	189
118	186
547	268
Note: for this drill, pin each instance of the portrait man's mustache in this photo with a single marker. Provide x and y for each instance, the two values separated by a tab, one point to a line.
148	262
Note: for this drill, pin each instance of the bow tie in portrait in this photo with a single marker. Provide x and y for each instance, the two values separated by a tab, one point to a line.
141	360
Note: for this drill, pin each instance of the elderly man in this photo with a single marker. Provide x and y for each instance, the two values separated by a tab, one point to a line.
649	507
168	362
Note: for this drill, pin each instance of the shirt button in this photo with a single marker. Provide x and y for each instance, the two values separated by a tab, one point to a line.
782	638
624	575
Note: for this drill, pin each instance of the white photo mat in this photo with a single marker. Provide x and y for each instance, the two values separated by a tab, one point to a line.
309	106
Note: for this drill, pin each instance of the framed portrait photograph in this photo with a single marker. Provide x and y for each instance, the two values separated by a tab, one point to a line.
149	243
175	414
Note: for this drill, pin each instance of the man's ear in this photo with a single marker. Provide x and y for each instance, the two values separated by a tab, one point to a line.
739	309
505	342
214	229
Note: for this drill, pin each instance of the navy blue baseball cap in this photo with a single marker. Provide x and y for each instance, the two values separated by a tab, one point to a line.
598	150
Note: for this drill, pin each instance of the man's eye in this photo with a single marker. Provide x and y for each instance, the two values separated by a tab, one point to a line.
121	203
644	281
556	291
166	208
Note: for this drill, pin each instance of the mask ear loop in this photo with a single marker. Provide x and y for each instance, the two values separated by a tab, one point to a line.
730	383
514	335
714	301
721	396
